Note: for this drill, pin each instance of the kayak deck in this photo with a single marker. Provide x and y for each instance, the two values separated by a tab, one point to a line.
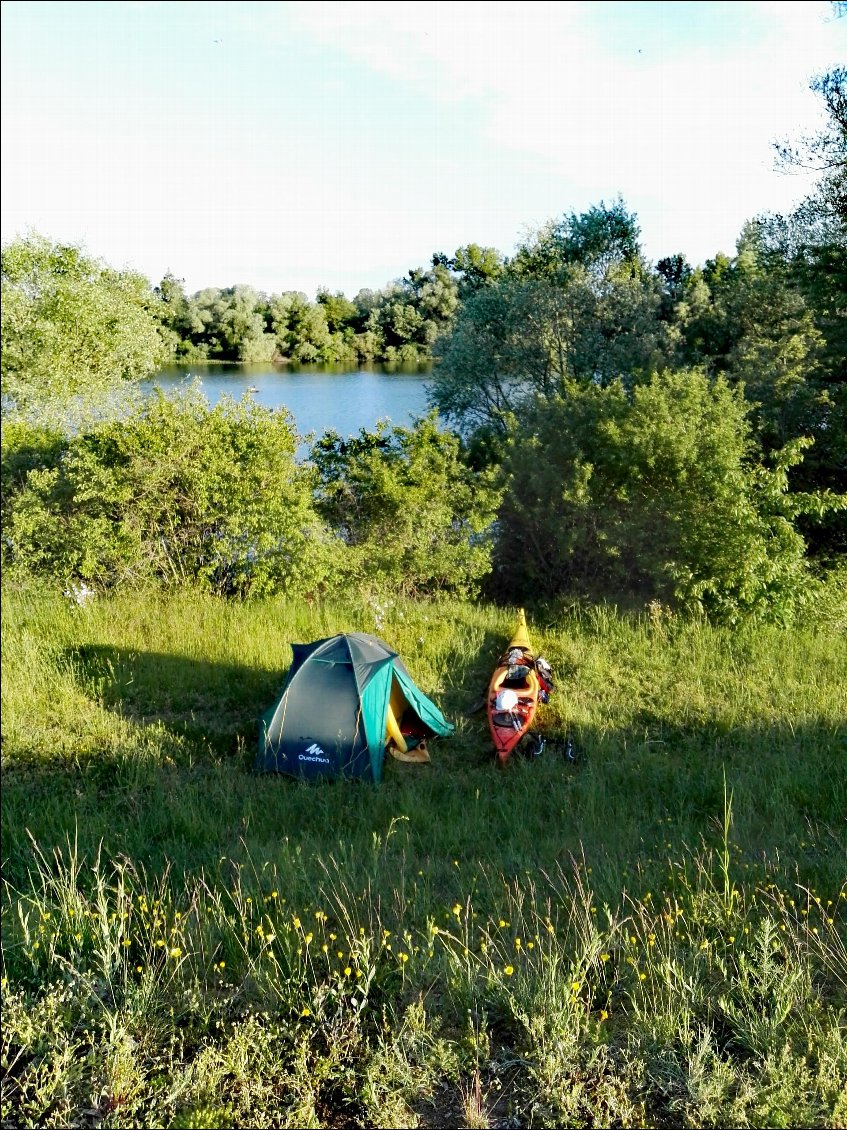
513	693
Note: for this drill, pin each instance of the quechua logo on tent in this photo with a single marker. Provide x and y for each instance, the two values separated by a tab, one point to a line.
314	753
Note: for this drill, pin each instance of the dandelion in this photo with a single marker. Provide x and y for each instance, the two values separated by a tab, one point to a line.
457	910
605	956
642	976
308	938
306	1012
575	986
347	970
603	1015
518	943
176	951
404	957
295	922
508	971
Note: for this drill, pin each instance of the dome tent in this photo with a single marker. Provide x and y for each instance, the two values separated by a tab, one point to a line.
342	699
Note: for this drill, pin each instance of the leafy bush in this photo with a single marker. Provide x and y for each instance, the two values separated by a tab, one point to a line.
412	516
653	493
176	492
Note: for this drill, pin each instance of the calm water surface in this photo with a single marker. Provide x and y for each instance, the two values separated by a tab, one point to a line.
318	398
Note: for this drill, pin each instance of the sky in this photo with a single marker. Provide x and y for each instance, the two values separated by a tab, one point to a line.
294	146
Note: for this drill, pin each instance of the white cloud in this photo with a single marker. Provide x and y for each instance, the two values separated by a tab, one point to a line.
689	137
341	144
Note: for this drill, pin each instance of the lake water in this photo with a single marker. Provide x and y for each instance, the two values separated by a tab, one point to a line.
318	398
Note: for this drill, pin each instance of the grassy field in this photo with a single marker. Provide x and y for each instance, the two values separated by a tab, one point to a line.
653	934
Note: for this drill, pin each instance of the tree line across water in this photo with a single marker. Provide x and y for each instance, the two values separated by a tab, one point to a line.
616	428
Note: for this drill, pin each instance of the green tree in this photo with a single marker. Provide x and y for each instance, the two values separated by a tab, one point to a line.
505	342
604	236
178	319
230	325
412	515
71	326
341	314
473	266
653	493
301	329
577	303
812	241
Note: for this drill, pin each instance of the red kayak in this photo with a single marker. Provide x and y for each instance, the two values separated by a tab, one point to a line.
513	692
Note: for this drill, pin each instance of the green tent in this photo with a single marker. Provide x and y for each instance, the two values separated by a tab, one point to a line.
342	699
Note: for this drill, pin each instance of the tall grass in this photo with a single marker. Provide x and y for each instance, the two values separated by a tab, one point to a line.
654	932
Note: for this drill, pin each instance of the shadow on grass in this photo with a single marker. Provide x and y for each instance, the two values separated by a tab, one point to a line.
210	706
215	706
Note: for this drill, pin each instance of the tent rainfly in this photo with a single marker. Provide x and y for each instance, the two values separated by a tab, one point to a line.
345	700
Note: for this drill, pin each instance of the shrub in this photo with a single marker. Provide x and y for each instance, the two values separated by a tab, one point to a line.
412	515
653	493
176	492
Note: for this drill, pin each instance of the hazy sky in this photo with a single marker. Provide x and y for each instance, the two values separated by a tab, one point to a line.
296	145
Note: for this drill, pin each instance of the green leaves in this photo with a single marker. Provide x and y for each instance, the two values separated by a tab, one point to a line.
412	516
70	325
181	493
653	494
177	492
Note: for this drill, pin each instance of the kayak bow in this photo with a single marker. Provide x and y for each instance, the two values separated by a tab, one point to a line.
513	692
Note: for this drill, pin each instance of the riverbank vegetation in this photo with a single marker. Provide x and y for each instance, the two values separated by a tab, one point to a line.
645	925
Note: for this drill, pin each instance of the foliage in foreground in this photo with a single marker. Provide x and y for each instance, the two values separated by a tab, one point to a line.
181	493
652	493
703	1004
654	934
